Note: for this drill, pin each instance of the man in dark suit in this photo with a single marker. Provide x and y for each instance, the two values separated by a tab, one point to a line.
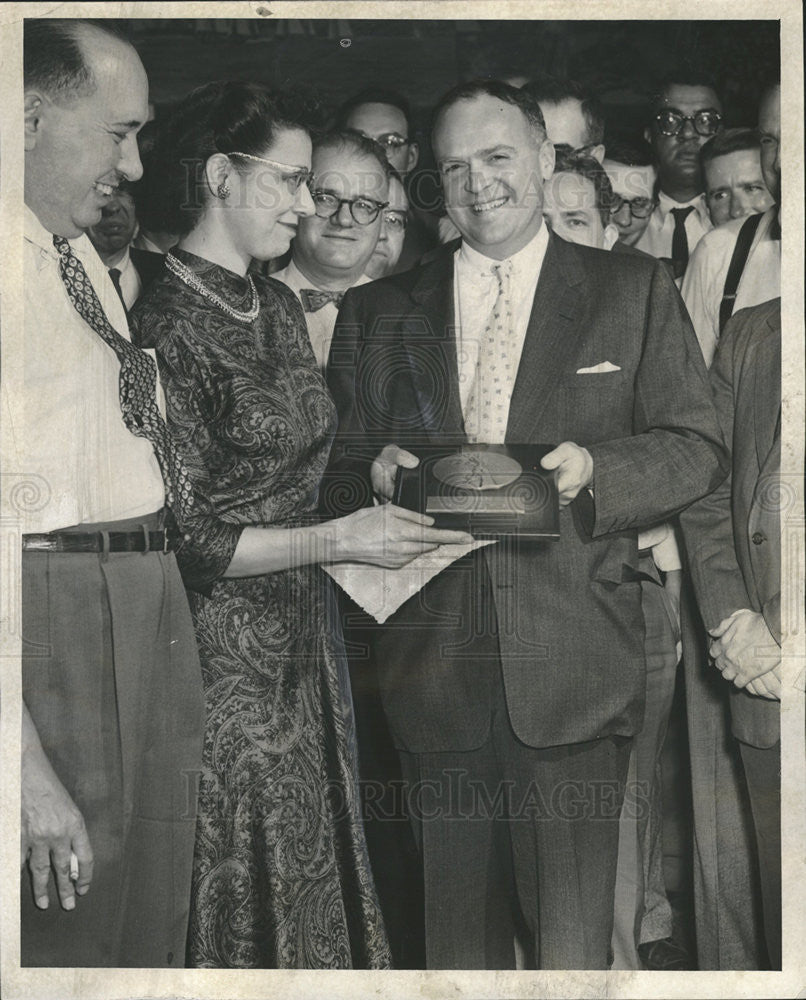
513	682
733	541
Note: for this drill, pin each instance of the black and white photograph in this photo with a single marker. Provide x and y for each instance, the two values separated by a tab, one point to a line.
402	500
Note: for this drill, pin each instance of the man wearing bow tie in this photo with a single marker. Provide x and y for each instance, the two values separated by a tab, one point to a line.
513	682
333	247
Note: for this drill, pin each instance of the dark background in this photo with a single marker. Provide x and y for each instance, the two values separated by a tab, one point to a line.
618	60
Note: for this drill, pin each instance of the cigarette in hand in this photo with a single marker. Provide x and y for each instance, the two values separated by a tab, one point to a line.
73	867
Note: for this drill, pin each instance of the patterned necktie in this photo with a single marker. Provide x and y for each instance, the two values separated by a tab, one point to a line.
137	385
487	407
313	300
114	274
680	240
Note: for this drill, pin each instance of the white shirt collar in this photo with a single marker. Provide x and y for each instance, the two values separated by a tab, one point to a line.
698	203
36	233
526	261
294	276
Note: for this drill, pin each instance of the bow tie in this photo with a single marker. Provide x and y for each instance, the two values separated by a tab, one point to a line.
313	300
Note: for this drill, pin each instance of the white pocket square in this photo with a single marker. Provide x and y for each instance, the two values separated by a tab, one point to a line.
603	366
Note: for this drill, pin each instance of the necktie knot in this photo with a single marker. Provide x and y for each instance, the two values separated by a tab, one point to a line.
313	299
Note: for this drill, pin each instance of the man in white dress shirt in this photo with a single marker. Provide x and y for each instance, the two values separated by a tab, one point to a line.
759	273
332	248
517	675
113	709
685	113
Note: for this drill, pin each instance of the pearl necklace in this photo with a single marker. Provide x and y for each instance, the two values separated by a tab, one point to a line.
185	274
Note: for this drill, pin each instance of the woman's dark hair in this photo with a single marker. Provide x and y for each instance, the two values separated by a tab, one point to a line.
216	118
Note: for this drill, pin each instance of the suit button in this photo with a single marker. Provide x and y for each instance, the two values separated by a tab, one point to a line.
758	538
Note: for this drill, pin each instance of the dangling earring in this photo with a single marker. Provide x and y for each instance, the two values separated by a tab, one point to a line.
223	190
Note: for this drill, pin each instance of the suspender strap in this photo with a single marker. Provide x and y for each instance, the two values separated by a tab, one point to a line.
737	262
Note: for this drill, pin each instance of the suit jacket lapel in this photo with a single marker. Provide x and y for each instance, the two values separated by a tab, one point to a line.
432	348
550	338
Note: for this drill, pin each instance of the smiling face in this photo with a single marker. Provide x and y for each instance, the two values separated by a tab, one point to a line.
734	186
333	252
493	164
76	153
679	155
570	208
266	203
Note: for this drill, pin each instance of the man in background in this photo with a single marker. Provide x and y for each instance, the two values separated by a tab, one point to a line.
130	269
685	113
734	184
633	178
385	116
394	222
332	248
739	264
574	117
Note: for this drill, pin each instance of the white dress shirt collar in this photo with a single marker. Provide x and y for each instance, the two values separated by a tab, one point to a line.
698	203
527	261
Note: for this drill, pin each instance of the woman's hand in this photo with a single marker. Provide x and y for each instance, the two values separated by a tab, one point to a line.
388	536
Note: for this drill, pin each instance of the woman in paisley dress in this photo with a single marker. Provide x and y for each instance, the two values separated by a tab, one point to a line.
281	873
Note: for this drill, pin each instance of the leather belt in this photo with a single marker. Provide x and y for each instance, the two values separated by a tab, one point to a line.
97	541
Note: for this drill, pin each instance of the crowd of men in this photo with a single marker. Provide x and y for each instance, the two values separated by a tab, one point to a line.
630	269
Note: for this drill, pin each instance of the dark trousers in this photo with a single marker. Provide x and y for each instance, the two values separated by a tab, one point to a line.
762	768
112	681
518	840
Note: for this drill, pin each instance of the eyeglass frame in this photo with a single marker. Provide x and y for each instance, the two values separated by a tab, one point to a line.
682	119
615	208
302	175
384	137
381	205
398	214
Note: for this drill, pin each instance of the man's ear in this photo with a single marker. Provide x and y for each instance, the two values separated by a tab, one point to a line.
547	157
648	135
414	156
610	236
33	107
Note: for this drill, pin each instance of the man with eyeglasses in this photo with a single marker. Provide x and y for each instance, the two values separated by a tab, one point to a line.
394	222
330	253
739	264
633	176
686	113
574	118
385	116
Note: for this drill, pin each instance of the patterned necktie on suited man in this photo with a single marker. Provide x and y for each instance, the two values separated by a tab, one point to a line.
137	385
487	406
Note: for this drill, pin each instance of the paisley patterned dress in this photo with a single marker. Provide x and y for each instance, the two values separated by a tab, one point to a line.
281	874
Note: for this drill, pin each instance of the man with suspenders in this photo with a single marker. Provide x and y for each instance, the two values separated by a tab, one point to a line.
739	264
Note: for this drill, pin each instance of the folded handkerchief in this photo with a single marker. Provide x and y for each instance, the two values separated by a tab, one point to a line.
603	366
